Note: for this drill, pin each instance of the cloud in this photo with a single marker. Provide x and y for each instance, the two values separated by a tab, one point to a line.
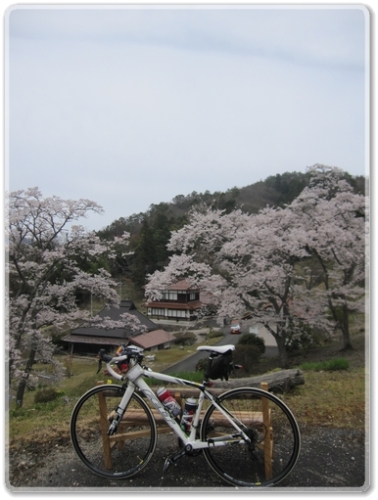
132	106
308	34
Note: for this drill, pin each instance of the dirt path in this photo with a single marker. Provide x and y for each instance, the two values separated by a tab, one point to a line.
330	459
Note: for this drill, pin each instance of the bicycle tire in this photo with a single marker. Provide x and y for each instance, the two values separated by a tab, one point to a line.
272	428
123	454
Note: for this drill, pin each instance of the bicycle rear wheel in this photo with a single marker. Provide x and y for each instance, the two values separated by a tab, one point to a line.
123	454
274	438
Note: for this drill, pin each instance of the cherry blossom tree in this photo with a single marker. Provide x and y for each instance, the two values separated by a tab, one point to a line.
248	263
43	247
262	263
336	232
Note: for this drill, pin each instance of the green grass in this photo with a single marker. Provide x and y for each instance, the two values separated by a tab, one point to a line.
42	418
330	366
330	397
192	376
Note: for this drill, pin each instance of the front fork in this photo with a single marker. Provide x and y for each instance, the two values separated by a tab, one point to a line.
121	408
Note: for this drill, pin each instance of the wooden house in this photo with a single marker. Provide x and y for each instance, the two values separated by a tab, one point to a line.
86	340
179	302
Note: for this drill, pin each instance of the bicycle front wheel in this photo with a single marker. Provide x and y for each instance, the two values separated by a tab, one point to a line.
129	449
274	438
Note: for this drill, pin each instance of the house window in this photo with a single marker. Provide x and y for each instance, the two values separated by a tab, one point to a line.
169	295
176	314
158	312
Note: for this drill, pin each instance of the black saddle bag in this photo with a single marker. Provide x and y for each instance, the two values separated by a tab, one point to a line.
220	367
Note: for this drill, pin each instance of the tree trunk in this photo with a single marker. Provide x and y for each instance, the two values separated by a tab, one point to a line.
344	325
22	384
281	381
282	352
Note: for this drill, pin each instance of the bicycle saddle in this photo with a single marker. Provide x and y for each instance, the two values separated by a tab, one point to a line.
220	349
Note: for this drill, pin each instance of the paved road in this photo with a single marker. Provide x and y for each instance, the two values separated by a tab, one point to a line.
189	364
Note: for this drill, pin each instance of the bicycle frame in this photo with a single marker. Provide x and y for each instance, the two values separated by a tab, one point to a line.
135	377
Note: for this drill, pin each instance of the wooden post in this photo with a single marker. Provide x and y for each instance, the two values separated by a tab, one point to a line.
264	417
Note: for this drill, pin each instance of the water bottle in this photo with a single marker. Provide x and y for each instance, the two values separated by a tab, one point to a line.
122	366
187	417
168	401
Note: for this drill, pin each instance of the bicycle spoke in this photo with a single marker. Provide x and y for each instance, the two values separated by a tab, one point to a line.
248	436
272	447
129	449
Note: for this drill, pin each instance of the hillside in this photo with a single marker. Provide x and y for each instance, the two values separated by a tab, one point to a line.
150	231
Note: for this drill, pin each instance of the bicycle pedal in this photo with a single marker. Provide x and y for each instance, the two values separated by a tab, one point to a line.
167	463
171	460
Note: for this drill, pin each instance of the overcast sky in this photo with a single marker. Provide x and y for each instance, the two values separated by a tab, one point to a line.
132	106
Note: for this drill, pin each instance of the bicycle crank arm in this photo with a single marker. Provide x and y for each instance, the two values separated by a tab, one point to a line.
172	460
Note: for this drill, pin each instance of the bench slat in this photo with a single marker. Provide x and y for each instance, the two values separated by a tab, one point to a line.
138	417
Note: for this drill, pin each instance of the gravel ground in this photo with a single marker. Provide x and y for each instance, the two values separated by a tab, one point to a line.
330	459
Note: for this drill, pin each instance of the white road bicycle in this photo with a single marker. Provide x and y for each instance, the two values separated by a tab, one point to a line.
248	436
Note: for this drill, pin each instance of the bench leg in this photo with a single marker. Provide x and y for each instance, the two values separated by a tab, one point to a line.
268	441
266	418
104	430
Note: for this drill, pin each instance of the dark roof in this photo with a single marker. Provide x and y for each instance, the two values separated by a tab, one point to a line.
126	306
81	339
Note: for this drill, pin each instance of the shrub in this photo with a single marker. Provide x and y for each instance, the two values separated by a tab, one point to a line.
309	337
248	356
253	340
45	395
202	364
187	338
214	333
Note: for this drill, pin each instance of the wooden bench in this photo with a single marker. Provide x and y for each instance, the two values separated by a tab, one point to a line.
129	427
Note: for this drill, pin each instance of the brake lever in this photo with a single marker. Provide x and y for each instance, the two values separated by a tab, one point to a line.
99	366
102	356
